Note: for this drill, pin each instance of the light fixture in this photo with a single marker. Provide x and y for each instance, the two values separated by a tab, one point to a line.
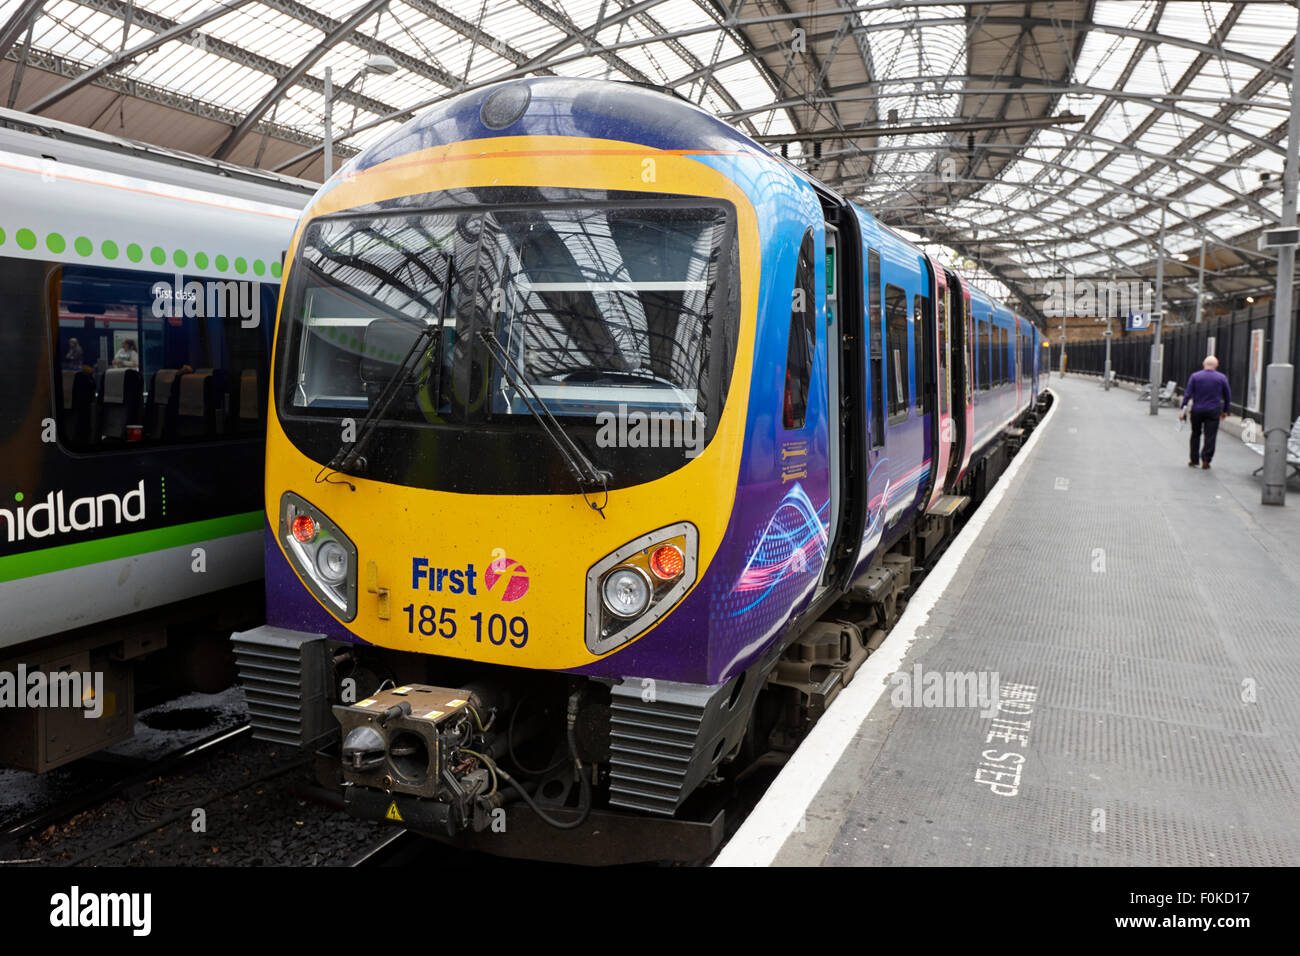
626	591
375	63
381	64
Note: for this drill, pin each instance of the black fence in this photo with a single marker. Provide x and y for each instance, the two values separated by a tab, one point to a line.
1184	350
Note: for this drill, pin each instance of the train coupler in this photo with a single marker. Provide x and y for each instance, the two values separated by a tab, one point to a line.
431	743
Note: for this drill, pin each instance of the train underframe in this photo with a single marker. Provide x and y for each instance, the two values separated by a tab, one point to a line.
531	764
134	661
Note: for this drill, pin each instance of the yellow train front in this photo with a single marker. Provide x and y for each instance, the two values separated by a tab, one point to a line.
549	469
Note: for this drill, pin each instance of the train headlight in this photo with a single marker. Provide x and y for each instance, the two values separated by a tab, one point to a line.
326	559
632	588
332	562
626	591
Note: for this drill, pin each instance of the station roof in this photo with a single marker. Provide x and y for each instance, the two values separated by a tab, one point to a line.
1029	141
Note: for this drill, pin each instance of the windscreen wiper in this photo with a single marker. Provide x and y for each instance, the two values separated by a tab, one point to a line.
589	477
350	454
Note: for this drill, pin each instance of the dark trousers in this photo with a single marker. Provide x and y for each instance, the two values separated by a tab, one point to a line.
1209	423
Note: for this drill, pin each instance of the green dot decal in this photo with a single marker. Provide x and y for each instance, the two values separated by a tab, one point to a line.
109	249
158	254
259	266
275	266
201	260
2	237
18	496
180	258
241	265
84	246
55	243
223	263
134	252
26	239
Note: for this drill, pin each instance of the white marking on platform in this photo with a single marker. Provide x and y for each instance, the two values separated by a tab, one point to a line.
779	812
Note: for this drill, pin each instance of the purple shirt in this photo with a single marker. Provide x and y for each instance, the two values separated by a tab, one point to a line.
1208	390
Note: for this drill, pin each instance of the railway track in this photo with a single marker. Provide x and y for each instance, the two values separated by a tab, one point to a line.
134	773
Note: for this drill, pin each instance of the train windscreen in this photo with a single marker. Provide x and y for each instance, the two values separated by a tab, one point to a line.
591	311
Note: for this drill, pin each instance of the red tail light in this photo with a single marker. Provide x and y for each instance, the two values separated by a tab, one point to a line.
667	562
304	529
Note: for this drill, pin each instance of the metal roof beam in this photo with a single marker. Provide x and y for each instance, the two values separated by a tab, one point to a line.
125	86
117	60
235	54
952	126
928	22
340	32
18	23
328	25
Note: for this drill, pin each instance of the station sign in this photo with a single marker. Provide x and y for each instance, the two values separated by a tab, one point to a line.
1279	238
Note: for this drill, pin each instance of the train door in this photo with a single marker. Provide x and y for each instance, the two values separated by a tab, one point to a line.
963	394
1017	358
877	396
846	389
936	322
832	338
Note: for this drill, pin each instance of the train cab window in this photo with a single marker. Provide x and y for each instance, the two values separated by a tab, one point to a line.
985	352
876	335
896	322
802	345
924	374
157	358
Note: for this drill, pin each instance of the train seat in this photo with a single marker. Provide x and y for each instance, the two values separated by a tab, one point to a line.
246	415
196	406
120	400
164	393
77	407
385	344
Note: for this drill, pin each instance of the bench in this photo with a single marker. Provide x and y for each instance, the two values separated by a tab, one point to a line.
1168	395
1250	437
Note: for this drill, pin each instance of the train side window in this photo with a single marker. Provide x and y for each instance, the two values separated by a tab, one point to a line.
985	351
896	322
142	359
802	345
945	362
1002	356
874	322
995	356
924	374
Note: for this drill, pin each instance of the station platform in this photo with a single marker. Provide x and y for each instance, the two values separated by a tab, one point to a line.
1143	621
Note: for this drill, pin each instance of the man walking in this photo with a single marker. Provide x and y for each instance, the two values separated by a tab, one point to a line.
1210	395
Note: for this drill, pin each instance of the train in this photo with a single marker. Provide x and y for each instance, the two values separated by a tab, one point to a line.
603	446
140	288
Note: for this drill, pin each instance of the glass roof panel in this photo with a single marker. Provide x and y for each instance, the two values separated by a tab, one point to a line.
1057	187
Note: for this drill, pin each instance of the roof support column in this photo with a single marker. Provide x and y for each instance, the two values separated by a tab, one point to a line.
1281	374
